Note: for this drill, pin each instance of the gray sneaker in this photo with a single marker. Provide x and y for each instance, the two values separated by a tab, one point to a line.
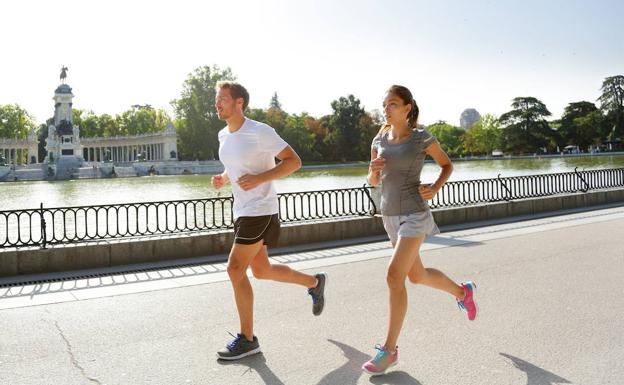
239	347
318	294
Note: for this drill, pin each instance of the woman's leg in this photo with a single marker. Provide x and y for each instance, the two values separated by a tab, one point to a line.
433	278
405	251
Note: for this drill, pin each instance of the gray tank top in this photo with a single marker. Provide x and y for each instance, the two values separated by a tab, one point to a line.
400	177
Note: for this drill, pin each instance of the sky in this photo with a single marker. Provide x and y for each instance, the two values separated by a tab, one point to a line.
452	54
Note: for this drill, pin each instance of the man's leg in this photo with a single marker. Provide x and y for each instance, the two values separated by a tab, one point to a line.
263	269
240	258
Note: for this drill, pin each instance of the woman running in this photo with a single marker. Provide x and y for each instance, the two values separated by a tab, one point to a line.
398	152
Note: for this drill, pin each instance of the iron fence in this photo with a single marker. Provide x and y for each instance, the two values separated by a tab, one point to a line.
64	225
61	225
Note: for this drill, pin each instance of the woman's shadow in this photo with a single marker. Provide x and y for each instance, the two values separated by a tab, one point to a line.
350	371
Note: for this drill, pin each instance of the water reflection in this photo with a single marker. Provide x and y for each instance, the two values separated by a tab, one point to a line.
19	195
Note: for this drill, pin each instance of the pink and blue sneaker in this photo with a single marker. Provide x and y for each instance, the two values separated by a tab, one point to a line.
468	304
382	361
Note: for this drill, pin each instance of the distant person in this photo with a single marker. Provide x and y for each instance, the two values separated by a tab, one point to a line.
248	150
398	152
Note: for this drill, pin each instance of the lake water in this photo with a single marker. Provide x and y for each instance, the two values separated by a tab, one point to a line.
84	192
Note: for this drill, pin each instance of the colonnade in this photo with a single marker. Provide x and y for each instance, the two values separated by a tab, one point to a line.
126	153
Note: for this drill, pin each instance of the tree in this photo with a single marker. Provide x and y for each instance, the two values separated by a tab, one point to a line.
581	124
275	102
15	122
588	129
484	136
369	126
276	118
257	114
142	120
344	124
196	113
612	103
525	129
297	135
450	137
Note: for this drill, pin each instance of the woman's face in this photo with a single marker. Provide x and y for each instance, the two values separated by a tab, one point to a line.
394	109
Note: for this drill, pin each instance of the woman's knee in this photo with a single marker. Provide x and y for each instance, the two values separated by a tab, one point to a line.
395	279
417	275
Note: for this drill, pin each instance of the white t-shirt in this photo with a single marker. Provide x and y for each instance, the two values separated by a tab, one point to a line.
251	150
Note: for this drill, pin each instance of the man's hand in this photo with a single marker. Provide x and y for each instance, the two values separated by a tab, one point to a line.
427	191
218	181
249	181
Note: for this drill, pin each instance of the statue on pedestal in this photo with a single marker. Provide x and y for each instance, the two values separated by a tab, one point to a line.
63	73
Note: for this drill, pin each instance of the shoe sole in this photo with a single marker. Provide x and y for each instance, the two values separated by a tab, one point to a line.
373	374
246	354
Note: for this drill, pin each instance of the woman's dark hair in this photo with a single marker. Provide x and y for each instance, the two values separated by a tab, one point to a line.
404	94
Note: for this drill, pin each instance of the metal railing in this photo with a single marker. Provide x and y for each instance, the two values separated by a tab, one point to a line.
64	225
471	192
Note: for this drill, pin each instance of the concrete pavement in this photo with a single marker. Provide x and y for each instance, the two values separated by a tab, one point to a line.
549	292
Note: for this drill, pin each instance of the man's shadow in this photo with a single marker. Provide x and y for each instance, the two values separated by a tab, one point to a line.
257	363
536	375
350	371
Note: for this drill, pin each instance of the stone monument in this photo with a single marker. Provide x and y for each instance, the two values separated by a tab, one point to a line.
63	143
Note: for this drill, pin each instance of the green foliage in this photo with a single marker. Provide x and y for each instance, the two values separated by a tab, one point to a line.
525	129
197	115
344	129
15	122
612	103
581	124
296	133
275	102
135	121
450	137
142	120
484	136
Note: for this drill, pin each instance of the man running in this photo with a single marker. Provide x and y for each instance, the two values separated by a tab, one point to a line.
248	150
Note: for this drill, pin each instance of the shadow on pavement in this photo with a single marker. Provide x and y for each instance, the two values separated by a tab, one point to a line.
450	241
350	371
257	363
395	378
536	375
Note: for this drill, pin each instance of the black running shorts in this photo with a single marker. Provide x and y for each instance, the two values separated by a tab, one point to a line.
249	230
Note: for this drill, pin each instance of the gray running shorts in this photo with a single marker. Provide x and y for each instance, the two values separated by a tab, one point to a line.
410	225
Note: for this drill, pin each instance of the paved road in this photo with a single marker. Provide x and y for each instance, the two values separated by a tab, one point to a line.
550	294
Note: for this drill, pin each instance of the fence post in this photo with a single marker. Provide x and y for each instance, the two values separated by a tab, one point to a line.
578	174
43	228
374	195
502	182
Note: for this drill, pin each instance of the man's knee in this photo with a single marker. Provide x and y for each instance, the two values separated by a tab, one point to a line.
235	269
261	272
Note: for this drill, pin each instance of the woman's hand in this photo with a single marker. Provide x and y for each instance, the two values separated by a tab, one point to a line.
376	165
427	191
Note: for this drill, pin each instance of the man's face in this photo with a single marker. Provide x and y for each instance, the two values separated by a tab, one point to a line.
226	105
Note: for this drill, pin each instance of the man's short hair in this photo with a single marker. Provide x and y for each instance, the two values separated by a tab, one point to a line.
236	90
